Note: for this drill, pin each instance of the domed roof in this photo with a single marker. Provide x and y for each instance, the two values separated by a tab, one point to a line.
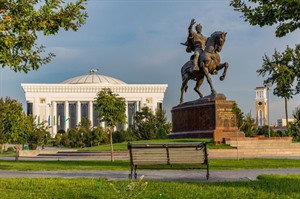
93	78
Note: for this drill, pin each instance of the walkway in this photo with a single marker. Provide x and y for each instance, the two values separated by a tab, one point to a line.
165	175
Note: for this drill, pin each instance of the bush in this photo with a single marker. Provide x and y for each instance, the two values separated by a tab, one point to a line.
265	131
161	134
57	140
123	136
99	136
10	149
32	146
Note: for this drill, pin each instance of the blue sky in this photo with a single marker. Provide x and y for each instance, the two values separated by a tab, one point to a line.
138	42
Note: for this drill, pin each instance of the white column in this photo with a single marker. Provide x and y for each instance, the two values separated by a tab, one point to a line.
54	119
67	116
91	112
36	108
126	112
48	112
138	105
102	124
78	112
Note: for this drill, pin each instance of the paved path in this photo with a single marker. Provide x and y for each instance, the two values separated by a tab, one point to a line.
166	175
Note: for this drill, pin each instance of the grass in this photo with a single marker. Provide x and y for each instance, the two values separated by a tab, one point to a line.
8	154
267	187
123	145
124	165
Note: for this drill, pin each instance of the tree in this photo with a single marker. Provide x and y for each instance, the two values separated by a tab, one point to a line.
163	126
13	128
84	129
294	127
144	124
38	133
239	115
111	110
150	126
268	13
283	70
21	21
249	126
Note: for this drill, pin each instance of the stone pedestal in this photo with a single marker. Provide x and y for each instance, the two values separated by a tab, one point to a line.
208	117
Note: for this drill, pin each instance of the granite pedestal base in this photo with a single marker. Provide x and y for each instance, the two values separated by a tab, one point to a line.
208	117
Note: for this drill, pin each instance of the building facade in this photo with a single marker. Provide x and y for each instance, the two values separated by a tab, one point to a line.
63	105
282	122
261	108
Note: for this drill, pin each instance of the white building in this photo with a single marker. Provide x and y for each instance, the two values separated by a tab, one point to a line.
63	105
282	122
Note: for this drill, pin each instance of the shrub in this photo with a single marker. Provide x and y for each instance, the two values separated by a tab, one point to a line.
161	134
10	149
32	146
122	136
58	140
99	136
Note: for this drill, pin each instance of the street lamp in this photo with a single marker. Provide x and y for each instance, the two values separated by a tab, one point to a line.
267	85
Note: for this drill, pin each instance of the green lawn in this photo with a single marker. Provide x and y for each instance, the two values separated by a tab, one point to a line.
123	145
267	187
124	165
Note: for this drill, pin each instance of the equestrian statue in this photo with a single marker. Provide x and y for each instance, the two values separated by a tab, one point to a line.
205	61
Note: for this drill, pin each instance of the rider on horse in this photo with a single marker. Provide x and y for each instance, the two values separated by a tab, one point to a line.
195	42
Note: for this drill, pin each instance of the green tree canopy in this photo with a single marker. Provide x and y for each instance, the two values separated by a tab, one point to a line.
239	115
21	21
148	125
249	127
285	13
38	134
282	70
13	122
111	109
294	127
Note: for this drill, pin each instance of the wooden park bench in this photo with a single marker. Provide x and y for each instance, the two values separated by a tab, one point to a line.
167	154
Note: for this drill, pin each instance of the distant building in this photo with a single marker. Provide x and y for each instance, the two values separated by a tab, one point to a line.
63	105
261	108
282	122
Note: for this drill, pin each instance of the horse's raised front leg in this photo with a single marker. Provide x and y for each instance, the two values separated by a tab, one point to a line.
206	72
197	86
225	66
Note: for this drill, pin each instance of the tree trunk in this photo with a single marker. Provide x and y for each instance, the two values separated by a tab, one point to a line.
286	112
111	144
17	152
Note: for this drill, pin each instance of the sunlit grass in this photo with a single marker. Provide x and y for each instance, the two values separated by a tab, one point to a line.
123	145
228	164
267	187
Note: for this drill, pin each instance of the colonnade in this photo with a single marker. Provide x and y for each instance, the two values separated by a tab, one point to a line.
64	120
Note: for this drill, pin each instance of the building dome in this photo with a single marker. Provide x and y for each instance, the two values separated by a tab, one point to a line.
93	78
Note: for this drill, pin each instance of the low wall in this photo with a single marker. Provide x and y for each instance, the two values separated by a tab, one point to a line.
32	153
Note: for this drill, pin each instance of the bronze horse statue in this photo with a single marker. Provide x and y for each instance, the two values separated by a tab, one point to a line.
209	63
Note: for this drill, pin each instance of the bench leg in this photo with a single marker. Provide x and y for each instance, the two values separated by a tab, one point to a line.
135	174
131	172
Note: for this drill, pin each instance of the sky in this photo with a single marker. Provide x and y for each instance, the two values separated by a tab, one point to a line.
138	42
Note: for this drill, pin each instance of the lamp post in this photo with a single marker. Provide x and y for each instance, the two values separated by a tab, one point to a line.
267	86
